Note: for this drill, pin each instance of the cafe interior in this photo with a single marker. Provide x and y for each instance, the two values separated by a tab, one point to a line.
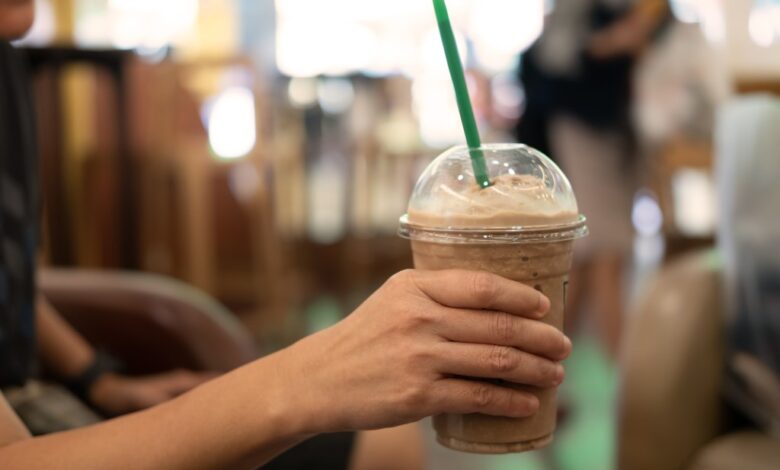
221	178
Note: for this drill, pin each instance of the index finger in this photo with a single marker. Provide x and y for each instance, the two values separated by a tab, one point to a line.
459	288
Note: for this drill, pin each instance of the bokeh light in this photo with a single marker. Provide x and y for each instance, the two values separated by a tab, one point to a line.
707	13
646	215
693	191
129	24
231	123
377	37
764	23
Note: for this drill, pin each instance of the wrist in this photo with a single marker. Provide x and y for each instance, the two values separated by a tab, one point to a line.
103	390
99	370
303	387
292	403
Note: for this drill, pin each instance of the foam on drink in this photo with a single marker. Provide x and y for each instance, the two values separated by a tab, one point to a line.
512	201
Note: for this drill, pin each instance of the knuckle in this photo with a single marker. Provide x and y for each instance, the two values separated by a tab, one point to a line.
502	360
414	395
421	317
420	358
482	396
483	287
504	328
524	404
400	278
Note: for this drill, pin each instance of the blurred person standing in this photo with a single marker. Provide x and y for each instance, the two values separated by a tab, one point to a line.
577	80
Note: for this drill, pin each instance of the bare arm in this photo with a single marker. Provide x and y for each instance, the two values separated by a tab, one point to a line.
62	350
238	421
65	353
399	357
632	33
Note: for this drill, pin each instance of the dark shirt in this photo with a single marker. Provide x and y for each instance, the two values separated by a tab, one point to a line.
597	92
18	220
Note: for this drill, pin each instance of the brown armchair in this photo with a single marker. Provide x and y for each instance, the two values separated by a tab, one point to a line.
671	413
151	323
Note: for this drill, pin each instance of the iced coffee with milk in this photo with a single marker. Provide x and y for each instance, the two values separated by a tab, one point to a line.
522	227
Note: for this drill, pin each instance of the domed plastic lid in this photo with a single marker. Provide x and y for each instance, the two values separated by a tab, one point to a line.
530	199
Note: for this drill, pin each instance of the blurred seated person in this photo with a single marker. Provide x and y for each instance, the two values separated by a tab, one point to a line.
90	377
401	356
62	352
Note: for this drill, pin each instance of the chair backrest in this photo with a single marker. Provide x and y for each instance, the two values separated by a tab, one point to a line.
150	322
748	169
672	368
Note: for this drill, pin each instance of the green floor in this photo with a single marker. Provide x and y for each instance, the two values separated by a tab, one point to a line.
587	442
584	442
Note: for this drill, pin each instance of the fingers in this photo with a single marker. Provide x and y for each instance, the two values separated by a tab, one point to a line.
176	382
465	396
481	290
183	381
487	327
498	362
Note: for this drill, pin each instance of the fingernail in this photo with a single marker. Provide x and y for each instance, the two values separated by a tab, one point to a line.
566	350
560	375
533	404
544	305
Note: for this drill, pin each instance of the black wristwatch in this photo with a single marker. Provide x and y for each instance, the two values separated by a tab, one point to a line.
81	384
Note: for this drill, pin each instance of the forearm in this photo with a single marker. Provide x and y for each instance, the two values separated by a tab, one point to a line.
240	420
62	350
630	34
650	14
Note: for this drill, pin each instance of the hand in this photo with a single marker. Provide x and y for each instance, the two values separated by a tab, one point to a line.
116	394
406	352
626	37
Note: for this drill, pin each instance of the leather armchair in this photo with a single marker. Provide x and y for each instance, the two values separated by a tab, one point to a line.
671	415
151	323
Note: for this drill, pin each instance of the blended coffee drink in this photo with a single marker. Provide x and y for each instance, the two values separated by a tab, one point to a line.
523	228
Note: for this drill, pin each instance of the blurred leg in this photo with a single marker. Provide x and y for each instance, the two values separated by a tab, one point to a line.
602	175
398	448
607	292
576	296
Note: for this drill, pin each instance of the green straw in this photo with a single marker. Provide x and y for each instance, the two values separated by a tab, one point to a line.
462	94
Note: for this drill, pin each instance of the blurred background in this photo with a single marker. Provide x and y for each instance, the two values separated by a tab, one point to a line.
262	151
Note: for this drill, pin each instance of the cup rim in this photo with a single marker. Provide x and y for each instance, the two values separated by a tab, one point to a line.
517	234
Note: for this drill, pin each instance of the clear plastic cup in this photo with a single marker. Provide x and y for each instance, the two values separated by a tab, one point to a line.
523	228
